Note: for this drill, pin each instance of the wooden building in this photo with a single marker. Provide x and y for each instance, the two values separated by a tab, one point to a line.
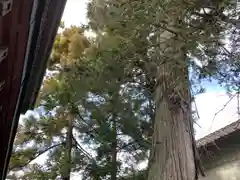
220	153
27	32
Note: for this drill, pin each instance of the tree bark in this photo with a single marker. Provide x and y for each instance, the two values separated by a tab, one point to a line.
173	153
172	156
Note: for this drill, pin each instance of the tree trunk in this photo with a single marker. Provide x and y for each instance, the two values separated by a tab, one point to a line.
69	144
114	152
172	156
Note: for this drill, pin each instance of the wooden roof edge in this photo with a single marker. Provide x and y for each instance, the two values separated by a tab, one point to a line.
216	135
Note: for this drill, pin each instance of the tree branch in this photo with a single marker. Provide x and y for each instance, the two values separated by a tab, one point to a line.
36	156
221	16
79	147
166	29
224	106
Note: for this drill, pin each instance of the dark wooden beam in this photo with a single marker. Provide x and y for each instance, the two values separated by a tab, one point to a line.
14	35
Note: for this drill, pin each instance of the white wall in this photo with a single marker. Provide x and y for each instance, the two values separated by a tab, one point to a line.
228	171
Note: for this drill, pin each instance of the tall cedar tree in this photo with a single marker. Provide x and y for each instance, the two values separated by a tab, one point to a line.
165	38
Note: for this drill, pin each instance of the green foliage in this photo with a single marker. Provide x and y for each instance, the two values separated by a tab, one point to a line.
68	47
106	110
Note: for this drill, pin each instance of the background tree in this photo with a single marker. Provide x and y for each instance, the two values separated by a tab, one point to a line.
89	116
